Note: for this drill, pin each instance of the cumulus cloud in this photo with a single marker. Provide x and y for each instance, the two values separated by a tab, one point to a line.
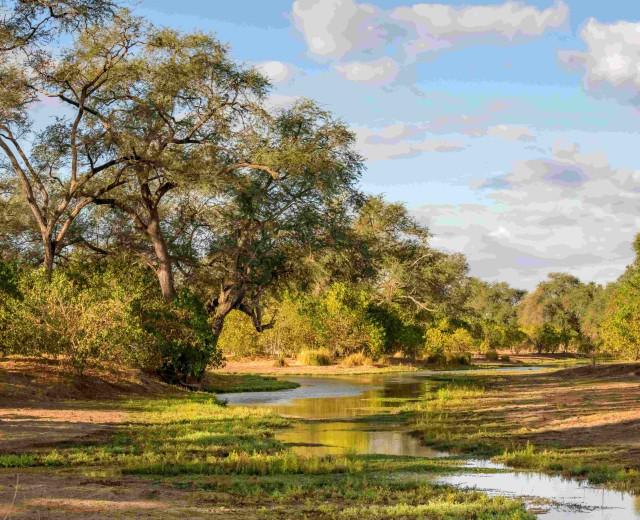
378	72
611	63
511	133
333	28
355	33
400	141
436	27
279	101
276	71
568	212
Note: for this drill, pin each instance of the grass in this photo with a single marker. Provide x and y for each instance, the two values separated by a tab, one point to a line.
357	360
315	358
462	416
227	383
229	456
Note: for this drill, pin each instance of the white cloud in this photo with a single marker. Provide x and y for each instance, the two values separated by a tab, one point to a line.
437	27
376	72
511	133
276	71
611	63
357	34
332	28
569	212
278	101
400	141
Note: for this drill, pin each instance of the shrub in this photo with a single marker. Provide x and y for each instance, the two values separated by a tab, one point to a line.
239	337
316	358
460	341
436	342
293	330
183	337
357	360
505	357
438	358
85	316
491	355
113	313
458	359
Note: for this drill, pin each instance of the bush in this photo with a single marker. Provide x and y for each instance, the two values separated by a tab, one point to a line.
460	341
458	359
85	316
357	360
113	313
492	355
316	358
183	337
239	337
505	357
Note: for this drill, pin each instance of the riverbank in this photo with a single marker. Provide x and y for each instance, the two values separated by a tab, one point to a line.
192	457
293	367
581	422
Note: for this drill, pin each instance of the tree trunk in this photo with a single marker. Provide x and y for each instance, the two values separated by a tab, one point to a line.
164	271
49	255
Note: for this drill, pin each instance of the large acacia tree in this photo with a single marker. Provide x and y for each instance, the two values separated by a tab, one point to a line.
289	189
64	167
178	103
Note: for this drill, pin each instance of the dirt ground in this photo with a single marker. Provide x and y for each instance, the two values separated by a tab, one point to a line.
577	407
293	367
42	406
35	495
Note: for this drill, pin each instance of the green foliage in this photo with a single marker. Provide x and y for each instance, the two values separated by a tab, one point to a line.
620	327
239	337
315	358
182	336
83	316
492	355
108	314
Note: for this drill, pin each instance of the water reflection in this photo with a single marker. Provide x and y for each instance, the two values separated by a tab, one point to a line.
322	398
568	498
337	438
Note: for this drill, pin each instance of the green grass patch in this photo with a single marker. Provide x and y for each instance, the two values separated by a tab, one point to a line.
228	383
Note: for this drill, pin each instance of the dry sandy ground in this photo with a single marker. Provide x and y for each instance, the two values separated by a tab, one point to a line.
577	407
41	407
267	366
34	495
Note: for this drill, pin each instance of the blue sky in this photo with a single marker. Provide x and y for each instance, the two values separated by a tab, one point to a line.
510	129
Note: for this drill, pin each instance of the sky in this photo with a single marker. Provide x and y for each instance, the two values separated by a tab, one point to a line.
510	129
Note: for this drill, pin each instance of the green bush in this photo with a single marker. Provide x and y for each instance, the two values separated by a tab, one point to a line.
113	313
183	337
239	337
505	358
357	360
492	355
315	358
84	316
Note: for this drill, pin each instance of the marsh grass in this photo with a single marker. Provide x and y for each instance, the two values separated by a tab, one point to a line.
315	358
447	418
229	455
231	383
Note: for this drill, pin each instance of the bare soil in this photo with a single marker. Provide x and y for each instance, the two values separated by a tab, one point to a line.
588	406
396	363
42	405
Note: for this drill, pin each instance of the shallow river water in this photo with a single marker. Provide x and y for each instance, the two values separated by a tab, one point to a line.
327	403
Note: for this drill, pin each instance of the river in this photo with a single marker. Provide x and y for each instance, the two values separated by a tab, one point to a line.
328	403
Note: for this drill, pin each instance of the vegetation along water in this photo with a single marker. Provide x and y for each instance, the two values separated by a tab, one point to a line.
204	311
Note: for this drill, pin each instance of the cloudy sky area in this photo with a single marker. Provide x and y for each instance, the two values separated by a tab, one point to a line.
510	129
